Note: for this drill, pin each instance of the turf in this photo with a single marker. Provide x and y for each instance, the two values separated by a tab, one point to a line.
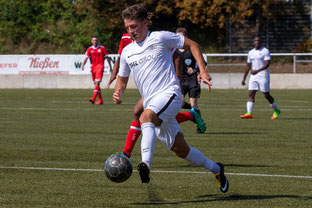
60	129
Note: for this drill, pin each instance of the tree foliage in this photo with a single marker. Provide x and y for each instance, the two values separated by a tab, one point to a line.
65	26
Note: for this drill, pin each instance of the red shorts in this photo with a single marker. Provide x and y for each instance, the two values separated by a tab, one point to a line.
97	74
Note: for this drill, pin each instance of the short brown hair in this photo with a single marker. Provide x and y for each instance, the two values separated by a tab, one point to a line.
182	30
135	12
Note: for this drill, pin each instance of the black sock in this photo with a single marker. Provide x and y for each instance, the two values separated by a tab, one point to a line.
186	106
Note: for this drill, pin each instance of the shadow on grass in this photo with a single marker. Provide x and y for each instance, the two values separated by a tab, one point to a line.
248	166
295	118
213	198
226	165
237	133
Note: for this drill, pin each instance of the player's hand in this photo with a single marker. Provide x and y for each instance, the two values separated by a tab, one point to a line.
207	79
254	72
82	67
190	70
112	78
243	82
198	79
116	97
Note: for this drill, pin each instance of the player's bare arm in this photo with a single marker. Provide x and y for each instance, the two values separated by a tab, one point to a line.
120	89
266	65
194	47
109	63
177	65
247	69
84	63
114	73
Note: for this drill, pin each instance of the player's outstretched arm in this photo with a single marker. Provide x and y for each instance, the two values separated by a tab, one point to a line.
247	69
194	47
120	89
110	64
114	73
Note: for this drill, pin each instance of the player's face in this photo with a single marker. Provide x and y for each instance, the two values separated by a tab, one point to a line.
180	33
137	29
94	41
257	43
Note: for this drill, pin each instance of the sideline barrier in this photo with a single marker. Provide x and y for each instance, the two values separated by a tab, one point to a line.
64	71
219	81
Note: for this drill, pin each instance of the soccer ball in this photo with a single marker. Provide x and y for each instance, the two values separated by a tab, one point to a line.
118	168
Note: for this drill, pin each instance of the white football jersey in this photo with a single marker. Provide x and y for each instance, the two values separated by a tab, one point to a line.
151	64
257	59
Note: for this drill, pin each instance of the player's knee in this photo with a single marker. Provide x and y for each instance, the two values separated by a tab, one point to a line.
137	112
146	116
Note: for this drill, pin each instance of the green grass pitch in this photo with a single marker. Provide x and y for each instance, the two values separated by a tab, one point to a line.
62	131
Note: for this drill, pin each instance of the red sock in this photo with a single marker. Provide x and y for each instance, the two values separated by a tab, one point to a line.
133	135
184	116
99	94
95	92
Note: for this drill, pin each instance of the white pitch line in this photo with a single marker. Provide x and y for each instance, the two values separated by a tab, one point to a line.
130	109
155	171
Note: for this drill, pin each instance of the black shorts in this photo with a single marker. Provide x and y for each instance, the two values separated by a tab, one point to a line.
192	91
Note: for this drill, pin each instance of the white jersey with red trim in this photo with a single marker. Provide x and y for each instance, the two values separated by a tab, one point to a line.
152	65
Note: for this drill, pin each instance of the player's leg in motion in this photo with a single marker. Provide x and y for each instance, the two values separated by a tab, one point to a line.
97	93
135	129
149	120
192	115
194	156
194	94
273	104
250	104
97	76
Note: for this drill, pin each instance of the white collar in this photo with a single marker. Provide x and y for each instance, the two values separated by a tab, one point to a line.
96	47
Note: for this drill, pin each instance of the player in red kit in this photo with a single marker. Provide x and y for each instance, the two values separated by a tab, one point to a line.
97	55
135	128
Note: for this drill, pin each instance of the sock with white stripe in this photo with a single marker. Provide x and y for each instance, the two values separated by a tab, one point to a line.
198	158
133	135
148	142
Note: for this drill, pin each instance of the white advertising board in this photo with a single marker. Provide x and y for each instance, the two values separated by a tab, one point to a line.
47	64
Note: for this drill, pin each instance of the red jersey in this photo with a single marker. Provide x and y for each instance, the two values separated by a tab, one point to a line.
125	40
97	55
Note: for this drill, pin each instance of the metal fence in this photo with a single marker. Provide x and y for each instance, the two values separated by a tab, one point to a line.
295	58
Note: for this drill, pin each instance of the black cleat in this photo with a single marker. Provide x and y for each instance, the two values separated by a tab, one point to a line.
144	172
223	183
198	131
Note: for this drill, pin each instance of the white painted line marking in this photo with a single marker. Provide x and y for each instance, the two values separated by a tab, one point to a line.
155	171
131	109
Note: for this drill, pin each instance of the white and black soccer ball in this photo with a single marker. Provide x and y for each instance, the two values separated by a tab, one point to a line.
118	168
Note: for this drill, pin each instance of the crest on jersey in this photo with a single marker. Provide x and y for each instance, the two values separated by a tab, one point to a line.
188	62
99	50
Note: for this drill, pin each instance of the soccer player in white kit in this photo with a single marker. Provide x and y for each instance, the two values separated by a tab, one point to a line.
259	61
149	58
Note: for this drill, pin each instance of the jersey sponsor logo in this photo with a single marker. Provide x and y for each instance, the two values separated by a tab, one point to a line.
144	60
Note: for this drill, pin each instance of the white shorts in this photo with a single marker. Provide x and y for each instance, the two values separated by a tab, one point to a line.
259	83
166	106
